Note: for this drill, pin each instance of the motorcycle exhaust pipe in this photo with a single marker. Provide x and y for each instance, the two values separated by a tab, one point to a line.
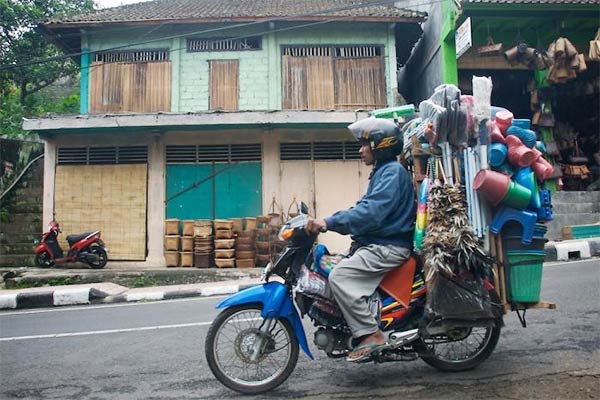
89	257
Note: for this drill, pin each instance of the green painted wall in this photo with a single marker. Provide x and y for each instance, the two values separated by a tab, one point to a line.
237	191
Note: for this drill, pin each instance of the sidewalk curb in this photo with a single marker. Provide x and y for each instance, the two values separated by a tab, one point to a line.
61	297
572	249
65	297
173	294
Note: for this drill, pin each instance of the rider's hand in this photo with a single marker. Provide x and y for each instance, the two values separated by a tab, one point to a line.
315	225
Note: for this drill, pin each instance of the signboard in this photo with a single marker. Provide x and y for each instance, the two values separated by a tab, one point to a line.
463	38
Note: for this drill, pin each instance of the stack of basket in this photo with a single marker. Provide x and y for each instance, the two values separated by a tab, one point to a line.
172	242
224	243
245	254
203	244
263	243
186	255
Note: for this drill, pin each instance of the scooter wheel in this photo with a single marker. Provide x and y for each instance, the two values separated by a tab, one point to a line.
102	257
43	260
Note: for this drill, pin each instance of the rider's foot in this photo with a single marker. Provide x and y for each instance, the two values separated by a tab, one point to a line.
367	345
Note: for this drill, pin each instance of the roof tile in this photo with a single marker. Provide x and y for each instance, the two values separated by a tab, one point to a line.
219	10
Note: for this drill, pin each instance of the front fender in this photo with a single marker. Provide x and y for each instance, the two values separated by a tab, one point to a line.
276	303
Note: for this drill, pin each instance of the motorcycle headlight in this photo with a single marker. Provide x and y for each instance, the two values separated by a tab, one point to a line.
285	233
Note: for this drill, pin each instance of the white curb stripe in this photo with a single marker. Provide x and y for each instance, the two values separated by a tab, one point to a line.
145	296
65	297
211	291
71	334
8	301
563	250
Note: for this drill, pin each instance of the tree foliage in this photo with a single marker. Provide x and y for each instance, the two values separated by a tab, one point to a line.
21	89
21	43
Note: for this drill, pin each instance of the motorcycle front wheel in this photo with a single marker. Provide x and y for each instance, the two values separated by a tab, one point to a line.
461	349
43	260
102	257
233	338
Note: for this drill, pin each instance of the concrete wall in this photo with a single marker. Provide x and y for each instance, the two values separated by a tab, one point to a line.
423	72
260	70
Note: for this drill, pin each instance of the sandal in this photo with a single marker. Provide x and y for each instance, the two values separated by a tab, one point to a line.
366	356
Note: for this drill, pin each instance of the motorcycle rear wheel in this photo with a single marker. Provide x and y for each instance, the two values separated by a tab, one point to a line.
102	257
43	260
229	342
472	347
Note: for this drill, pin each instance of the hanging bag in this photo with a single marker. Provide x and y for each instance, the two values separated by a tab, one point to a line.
594	53
490	48
547	117
577	157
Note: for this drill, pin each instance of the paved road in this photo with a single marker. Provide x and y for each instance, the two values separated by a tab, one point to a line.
155	351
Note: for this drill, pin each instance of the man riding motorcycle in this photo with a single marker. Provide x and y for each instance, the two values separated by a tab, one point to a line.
382	226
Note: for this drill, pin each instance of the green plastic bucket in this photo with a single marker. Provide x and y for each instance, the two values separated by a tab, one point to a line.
524	276
517	196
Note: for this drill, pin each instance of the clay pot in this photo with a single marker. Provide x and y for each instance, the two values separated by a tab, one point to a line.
492	185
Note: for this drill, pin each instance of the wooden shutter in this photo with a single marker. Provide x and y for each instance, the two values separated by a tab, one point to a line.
130	87
224	85
359	83
307	83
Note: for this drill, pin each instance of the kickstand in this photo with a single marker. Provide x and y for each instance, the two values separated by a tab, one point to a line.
522	318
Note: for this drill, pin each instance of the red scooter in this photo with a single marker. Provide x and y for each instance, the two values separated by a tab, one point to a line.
86	247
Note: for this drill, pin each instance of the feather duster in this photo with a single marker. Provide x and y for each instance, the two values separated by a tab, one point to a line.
450	245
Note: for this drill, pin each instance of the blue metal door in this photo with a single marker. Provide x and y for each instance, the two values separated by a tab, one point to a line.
234	192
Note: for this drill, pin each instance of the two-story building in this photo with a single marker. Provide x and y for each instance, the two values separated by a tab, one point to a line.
212	109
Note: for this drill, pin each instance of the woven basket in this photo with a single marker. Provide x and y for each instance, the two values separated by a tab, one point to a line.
224	253
187	243
171	243
172	258
244	263
186	259
224	243
224	262
245	255
223	234
203	231
223	224
172	227
188	228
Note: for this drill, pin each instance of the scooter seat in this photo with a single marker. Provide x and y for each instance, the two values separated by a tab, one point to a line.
76	238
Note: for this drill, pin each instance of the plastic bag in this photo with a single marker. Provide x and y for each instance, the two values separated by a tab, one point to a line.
460	299
313	284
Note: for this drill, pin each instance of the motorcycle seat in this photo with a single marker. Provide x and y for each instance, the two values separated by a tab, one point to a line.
76	238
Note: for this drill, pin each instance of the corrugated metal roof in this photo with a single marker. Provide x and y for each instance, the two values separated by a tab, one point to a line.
227	10
533	1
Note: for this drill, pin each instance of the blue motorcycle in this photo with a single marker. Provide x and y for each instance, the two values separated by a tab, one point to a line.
253	344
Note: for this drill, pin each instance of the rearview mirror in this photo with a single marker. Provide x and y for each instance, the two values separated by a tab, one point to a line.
303	208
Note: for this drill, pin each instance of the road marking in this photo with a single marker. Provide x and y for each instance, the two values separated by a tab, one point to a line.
95	307
105	332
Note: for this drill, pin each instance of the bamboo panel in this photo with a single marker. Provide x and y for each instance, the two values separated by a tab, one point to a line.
117	206
307	83
294	81
130	87
224	85
359	82
319	74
